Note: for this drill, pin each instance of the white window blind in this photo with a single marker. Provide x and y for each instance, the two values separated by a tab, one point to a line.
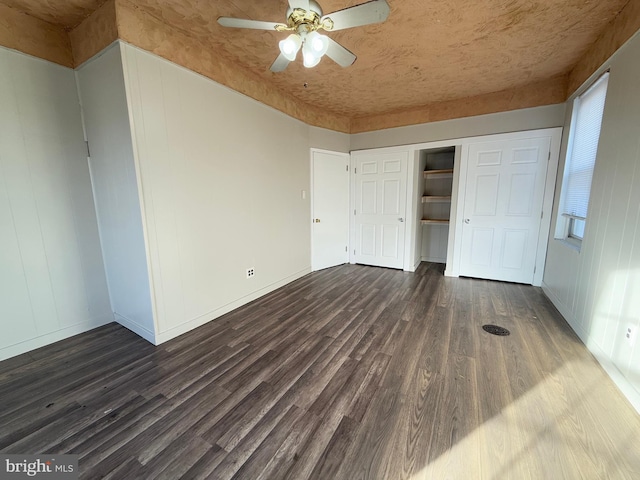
588	110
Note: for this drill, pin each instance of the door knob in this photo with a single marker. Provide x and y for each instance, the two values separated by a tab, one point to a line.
401	220
466	220
317	220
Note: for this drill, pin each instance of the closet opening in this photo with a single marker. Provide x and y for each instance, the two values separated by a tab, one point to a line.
436	191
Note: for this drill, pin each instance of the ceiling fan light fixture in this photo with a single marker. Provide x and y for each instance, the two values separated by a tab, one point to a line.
304	19
289	46
319	44
310	59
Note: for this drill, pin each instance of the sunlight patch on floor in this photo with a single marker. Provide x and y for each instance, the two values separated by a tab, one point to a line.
544	434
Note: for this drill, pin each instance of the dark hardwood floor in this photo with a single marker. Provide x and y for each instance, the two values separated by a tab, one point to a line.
349	373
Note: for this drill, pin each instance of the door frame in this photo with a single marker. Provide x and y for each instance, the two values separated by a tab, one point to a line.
347	157
414	205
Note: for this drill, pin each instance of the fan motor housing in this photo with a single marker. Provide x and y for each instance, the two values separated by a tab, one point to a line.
299	16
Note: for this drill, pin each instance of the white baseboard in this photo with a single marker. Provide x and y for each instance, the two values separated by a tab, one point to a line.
562	308
135	328
614	373
49	338
207	317
434	259
627	389
414	267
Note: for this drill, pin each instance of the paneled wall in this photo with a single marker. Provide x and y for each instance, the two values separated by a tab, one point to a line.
115	189
52	282
598	288
210	185
222	179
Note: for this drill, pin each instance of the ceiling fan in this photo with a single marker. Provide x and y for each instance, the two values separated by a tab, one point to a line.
304	19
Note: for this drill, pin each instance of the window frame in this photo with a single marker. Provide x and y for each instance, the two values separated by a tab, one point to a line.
568	230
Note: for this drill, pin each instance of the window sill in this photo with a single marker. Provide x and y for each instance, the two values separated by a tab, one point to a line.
573	244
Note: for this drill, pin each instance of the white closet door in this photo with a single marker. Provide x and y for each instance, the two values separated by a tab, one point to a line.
502	208
381	182
330	227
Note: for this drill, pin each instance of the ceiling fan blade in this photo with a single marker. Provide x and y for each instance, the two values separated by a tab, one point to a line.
375	11
303	4
245	23
280	64
339	54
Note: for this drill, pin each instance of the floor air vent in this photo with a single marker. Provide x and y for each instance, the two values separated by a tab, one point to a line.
496	330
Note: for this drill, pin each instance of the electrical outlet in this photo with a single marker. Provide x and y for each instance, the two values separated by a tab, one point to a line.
250	272
630	335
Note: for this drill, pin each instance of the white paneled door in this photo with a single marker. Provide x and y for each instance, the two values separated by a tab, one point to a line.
381	182
503	204
330	216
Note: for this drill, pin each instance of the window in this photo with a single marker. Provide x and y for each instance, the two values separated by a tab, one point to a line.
581	158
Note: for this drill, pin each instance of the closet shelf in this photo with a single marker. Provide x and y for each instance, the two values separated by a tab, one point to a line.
436	198
433	221
442	172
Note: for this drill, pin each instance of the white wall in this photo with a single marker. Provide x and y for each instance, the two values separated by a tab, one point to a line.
115	189
505	122
598	288
329	140
52	283
221	177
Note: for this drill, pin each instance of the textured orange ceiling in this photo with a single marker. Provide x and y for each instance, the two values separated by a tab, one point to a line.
426	52
63	13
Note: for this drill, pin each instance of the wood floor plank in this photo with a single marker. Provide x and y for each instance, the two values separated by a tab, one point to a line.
17	363
368	388
498	439
100	433
177	458
231	428
34	387
309	386
331	459
279	417
205	466
434	352
74	420
260	458
97	448
14	433
145	433
288	453
131	468
186	417
367	457
344	382
175	382
348	373
409	449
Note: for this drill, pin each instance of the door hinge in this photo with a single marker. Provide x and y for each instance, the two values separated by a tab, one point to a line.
346	249
541	215
347	168
86	142
354	251
549	158
355	170
354	212
534	269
